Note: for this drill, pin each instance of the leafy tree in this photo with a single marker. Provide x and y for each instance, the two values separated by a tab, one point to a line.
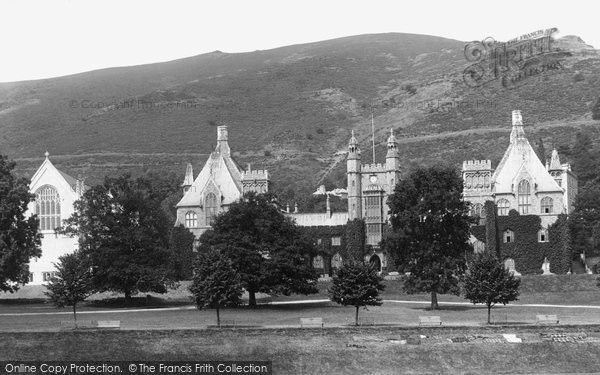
19	237
216	284
266	248
596	110
489	282
430	224
123	232
356	284
585	219
585	159
72	283
181	248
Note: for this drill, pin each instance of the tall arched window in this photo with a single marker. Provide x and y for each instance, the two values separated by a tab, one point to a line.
546	205
47	207
210	207
543	235
503	206
191	219
524	192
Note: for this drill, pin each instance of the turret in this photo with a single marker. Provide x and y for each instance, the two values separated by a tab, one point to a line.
517	126
354	184
222	145
189	178
392	161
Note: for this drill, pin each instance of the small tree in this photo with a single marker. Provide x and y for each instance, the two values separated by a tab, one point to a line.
489	282
216	284
72	283
356	284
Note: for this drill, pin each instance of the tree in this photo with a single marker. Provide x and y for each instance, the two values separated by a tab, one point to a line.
489	282
266	248
216	284
584	220
19	237
356	284
72	283
124	233
596	110
430	224
181	248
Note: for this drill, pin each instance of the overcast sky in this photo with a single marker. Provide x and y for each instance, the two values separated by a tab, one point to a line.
48	38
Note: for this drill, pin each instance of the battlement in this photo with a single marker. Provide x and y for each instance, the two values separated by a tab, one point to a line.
257	174
378	167
476	165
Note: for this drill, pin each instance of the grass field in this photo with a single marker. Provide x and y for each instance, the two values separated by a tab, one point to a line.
329	351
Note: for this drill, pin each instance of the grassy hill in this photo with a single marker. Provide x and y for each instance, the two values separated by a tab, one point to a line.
291	109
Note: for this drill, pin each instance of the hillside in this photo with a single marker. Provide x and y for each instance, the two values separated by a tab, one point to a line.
291	109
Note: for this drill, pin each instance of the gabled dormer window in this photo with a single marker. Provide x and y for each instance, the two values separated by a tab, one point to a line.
508	236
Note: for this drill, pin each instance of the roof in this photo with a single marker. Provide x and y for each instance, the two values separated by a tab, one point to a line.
319	219
521	157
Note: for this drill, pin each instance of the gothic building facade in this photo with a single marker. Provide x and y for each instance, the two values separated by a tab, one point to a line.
521	182
368	187
55	193
220	183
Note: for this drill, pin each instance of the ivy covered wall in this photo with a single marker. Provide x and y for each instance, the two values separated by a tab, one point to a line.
526	250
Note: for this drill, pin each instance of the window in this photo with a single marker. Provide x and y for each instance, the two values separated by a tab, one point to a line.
30	277
191	220
546	205
47	276
210	207
47	207
318	262
509	236
336	241
477	210
336	261
543	235
373	234
524	192
503	207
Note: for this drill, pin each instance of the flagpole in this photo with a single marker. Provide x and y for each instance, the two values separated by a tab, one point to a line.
373	131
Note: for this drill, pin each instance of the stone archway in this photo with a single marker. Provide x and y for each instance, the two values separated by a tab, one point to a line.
375	262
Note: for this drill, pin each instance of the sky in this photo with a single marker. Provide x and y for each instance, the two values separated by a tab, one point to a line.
50	38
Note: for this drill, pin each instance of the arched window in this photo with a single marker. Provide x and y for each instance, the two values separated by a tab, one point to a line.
191	220
524	192
210	207
509	236
543	235
318	262
47	207
477	210
546	205
336	261
503	206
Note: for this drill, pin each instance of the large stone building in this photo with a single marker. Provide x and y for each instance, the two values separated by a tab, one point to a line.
520	182
369	186
55	193
220	183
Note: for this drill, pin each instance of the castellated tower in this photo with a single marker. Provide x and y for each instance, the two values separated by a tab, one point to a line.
353	169
392	162
256	181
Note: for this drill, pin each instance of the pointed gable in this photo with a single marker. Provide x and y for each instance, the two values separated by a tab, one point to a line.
219	171
521	161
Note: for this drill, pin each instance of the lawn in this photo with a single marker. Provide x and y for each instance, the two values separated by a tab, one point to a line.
328	351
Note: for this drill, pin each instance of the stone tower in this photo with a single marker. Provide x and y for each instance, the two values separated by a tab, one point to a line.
353	170
392	162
